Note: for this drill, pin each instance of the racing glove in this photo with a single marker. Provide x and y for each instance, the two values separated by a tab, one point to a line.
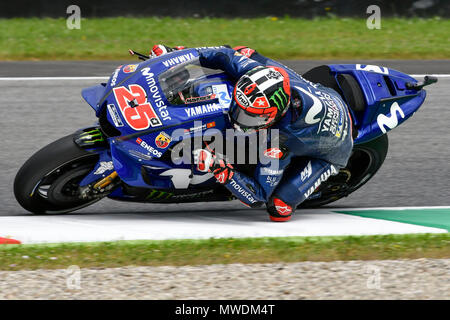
207	161
245	51
160	49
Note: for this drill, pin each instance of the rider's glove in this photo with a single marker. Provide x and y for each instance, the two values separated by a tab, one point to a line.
245	51
160	49
207	161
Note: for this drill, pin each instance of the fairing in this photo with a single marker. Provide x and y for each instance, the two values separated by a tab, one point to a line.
388	101
152	121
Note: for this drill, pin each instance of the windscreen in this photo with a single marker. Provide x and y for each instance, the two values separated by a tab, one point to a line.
188	83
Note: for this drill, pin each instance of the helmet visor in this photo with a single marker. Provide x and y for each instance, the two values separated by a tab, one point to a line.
245	120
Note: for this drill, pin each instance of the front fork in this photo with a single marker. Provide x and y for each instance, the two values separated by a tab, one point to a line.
101	188
103	179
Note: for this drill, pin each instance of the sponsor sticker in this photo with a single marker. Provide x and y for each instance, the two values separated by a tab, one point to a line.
115	75
115	115
155	94
222	94
242	191
391	122
149	148
306	173
333	120
272	172
272	180
200	99
177	60
242	98
372	68
273	153
201	127
323	177
104	166
203	109
312	115
130	68
141	115
162	140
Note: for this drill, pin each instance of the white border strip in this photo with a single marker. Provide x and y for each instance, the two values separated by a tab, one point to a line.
105	78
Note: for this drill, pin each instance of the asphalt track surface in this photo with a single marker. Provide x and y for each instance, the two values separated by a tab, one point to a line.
416	171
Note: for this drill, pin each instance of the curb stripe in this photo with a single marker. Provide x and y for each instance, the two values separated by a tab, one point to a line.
9	241
427	217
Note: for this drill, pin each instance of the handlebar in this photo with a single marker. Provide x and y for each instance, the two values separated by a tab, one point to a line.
427	80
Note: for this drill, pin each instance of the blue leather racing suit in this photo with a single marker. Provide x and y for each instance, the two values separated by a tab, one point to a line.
315	136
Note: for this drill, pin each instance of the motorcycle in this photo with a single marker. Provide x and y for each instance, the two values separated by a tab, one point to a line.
126	155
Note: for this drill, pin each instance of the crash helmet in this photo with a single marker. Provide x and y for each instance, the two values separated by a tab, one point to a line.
260	98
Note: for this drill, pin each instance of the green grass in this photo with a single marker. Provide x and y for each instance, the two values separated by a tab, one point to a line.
224	251
279	38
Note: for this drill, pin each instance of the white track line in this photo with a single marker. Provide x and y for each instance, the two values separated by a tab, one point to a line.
105	78
433	75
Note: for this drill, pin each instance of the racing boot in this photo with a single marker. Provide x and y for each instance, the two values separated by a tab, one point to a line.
279	211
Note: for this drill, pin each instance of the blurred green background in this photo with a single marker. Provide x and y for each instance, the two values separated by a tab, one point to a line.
279	38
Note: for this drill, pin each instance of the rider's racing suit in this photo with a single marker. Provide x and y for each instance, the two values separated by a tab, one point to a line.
315	138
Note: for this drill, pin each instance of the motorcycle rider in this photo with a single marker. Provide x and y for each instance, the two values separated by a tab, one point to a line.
314	123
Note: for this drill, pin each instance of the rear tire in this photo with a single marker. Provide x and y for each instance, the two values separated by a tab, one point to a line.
365	161
47	183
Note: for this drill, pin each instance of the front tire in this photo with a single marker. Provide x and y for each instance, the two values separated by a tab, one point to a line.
48	182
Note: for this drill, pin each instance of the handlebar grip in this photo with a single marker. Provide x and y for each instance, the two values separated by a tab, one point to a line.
430	79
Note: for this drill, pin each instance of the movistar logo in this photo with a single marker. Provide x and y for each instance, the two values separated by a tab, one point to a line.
279	98
313	111
392	121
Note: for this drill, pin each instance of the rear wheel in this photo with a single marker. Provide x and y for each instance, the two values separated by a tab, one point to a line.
364	162
48	182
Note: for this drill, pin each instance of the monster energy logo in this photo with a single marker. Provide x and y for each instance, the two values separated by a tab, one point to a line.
92	136
163	195
160	195
279	98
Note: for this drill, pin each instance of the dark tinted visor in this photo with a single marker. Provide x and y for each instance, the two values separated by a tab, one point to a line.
244	120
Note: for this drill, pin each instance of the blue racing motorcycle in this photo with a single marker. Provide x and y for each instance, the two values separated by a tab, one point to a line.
148	110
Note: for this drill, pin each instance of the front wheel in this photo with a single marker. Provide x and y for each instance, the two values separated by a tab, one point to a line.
48	182
364	162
